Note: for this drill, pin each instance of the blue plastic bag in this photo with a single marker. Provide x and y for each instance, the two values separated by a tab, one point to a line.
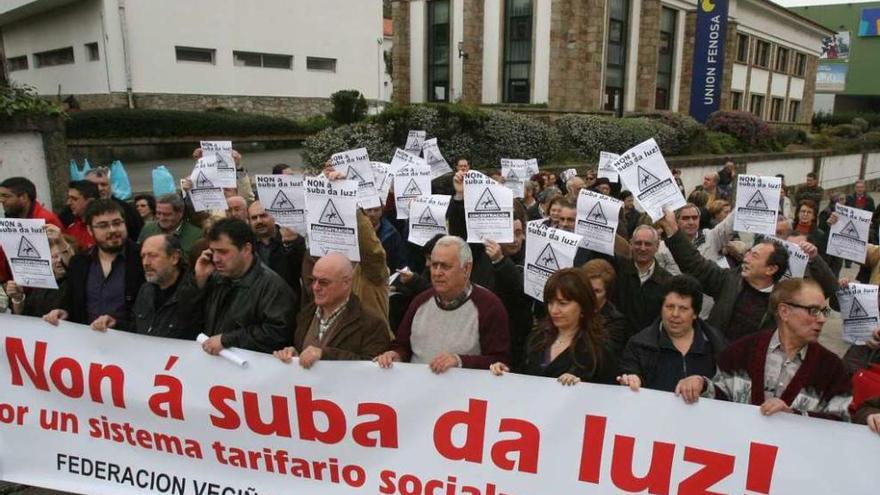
163	181
119	182
76	173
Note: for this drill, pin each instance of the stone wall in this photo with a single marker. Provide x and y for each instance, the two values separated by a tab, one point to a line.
729	57
35	147
472	43
577	42
400	52
648	53
806	115
687	65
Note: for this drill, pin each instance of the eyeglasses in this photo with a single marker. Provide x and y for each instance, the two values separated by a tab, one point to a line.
813	310
116	224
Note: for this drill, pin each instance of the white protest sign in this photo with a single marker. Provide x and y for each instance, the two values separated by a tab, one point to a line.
605	167
381	179
414	141
644	172
402	159
797	259
356	166
488	209
757	204
431	154
221	151
597	218
115	421
860	313
532	167
848	237
331	208
515	173
427	218
410	182
283	197
548	250
206	193
26	246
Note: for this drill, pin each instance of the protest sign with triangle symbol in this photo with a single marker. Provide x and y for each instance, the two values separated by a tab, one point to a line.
511	175
426	218
487	202
223	160
27	250
330	215
547	258
757	201
202	182
354	175
857	310
646	179
850	231
412	189
597	215
281	202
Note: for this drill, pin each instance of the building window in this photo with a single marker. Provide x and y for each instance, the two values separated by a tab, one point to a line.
782	60
794	110
615	63
266	60
762	54
517	51
200	55
800	64
756	105
742	48
776	105
438	50
736	100
54	57
321	64
17	63
665	61
92	52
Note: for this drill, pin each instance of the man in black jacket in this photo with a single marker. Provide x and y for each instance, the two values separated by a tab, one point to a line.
106	279
100	177
238	301
157	310
281	249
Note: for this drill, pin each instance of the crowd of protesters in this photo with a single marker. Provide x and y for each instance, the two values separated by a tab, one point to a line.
685	305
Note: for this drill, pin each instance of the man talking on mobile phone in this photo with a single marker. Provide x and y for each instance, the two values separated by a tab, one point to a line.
239	301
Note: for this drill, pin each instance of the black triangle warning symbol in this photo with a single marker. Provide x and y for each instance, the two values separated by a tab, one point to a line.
597	215
426	218
330	215
27	250
412	189
547	258
857	310
646	179
487	202
511	174
850	231
223	160
354	175
202	181
757	201
281	202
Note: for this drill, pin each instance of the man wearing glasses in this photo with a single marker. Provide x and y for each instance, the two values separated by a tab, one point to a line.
783	369
105	279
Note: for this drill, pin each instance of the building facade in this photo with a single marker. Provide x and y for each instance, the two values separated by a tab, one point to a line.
615	56
850	66
280	57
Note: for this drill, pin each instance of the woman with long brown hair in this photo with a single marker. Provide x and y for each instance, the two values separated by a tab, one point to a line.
572	344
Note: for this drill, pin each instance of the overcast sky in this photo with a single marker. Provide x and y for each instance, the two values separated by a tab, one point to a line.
798	3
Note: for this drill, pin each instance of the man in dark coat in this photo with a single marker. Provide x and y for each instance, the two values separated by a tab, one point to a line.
280	249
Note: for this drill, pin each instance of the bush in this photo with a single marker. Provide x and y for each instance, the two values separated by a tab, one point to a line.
511	135
719	143
690	135
790	135
861	123
24	100
110	123
585	136
823	119
753	133
318	148
844	131
871	141
349	106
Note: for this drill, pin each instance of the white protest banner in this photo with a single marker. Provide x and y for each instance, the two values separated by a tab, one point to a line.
488	209
757	204
221	151
515	174
644	172
548	250
410	182
860	312
331	210
431	154
206	193
532	167
122	414
382	179
283	197
606	169
414	141
26	246
355	164
848	237
797	259
428	218
597	218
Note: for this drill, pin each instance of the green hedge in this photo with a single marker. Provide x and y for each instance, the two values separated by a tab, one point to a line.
823	119
120	123
24	100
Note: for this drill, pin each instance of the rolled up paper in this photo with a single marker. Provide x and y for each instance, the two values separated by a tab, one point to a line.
226	354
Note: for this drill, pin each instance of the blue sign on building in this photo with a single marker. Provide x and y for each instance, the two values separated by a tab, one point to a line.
708	74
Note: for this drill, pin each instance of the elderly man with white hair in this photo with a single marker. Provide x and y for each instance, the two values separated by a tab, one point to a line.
454	323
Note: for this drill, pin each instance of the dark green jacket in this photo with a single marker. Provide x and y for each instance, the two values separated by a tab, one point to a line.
188	233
